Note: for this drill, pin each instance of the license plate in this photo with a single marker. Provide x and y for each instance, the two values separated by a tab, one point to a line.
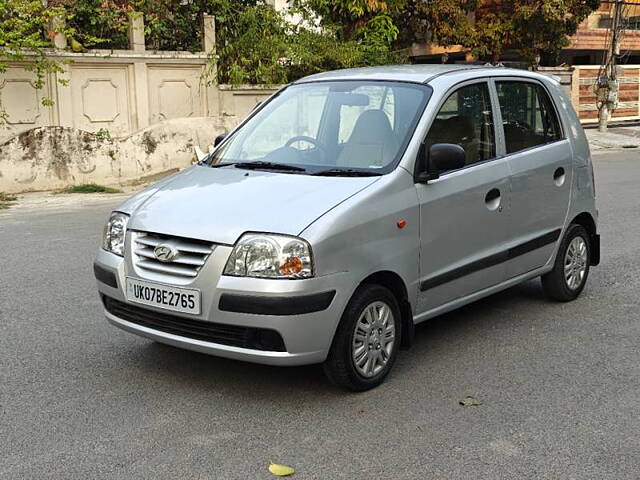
186	300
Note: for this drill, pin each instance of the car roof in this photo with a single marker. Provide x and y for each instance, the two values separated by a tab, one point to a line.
420	73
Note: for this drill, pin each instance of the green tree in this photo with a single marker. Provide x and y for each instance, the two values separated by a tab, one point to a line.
99	23
493	32
368	20
443	22
532	27
25	33
542	27
255	43
176	24
312	52
258	45
253	46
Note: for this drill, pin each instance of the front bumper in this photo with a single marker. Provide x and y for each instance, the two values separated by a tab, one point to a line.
305	313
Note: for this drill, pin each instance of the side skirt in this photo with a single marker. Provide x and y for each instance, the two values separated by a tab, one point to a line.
472	297
492	260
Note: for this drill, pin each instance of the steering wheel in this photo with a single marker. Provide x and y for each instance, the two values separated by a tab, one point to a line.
522	126
304	138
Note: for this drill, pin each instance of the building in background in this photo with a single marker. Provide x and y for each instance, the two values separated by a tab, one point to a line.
586	47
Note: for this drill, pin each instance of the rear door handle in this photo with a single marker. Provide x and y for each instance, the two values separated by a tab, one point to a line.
559	176
492	199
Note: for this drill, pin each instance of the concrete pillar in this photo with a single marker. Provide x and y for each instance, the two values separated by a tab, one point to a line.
575	88
136	32
57	25
209	47
141	86
209	33
64	99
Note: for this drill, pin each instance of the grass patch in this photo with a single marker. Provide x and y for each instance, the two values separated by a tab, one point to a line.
6	200
90	188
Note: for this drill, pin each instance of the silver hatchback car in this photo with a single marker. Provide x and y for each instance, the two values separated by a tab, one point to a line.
351	206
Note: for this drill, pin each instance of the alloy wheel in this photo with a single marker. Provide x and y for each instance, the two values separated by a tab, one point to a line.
575	262
373	339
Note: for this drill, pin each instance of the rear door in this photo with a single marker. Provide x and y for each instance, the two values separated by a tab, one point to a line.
464	213
540	160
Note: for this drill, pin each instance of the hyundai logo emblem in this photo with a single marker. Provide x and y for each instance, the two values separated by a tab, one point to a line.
165	253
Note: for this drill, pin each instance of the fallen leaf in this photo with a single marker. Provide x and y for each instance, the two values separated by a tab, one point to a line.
470	402
280	470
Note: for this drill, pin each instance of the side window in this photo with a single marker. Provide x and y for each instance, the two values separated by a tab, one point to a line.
528	116
466	120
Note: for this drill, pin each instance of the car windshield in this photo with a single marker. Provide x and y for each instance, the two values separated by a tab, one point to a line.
345	127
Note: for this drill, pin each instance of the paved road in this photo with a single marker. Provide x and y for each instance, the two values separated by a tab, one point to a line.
560	383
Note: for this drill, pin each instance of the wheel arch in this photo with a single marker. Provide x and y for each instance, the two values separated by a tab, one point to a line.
587	221
397	286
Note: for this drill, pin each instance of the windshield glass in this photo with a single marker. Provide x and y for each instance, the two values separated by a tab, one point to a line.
337	126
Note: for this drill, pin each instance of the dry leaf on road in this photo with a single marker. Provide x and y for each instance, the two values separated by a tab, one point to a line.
470	402
280	470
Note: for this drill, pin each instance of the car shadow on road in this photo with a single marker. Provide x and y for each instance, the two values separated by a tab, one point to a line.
200	371
495	309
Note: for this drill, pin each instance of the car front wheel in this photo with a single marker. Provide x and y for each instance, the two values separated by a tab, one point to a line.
366	342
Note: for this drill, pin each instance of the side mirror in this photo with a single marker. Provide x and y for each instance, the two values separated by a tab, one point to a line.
441	157
219	139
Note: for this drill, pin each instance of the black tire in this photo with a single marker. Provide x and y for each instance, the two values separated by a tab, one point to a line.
340	367
554	283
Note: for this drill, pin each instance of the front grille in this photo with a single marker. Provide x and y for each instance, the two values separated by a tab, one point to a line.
232	335
192	254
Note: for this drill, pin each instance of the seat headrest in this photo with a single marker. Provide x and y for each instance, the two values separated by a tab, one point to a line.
372	126
371	143
452	130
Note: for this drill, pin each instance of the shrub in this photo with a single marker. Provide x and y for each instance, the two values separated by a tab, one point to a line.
259	45
90	188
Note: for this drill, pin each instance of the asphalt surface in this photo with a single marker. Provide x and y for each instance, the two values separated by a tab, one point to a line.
559	383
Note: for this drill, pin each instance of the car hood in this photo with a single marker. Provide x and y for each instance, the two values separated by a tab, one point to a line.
220	204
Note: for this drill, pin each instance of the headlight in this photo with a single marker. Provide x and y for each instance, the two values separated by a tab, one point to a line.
114	232
270	256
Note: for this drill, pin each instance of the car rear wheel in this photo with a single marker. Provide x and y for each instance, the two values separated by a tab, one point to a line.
571	269
367	340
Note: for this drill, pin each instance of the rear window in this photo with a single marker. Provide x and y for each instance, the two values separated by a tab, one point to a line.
528	116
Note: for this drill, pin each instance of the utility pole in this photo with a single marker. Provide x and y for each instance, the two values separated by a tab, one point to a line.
607	86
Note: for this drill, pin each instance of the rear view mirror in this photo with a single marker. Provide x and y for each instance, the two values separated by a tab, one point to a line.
352	99
219	139
442	157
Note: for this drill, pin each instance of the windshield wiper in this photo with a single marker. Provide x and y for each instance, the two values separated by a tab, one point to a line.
222	164
345	172
269	166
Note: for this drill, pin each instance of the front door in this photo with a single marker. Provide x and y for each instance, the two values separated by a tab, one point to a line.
464	213
540	160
